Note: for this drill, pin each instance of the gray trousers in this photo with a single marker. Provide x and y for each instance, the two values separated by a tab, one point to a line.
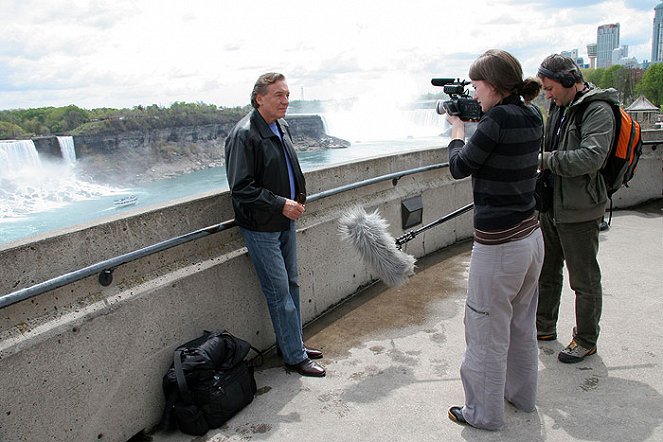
501	353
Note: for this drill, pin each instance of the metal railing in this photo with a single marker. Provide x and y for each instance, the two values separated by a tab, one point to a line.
105	268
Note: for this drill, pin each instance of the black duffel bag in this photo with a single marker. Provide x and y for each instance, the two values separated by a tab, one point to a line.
209	382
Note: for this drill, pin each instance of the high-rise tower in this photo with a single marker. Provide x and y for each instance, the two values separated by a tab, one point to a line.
607	39
591	54
657	35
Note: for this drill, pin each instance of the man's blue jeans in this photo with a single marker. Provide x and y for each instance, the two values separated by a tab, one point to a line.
274	256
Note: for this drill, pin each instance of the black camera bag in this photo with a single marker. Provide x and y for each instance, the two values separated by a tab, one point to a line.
543	192
545	181
209	382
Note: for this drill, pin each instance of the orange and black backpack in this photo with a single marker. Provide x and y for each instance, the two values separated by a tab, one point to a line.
625	151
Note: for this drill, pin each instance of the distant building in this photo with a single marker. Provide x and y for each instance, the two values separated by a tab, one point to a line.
607	39
630	63
620	56
644	112
657	35
573	55
591	54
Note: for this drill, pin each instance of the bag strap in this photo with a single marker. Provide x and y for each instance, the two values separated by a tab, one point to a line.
260	357
181	379
582	107
616	113
541	145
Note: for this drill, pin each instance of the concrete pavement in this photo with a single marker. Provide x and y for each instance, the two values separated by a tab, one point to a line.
393	358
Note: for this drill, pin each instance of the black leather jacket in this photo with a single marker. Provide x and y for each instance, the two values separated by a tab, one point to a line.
258	174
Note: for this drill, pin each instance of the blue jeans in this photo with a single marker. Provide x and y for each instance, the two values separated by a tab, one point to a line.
274	256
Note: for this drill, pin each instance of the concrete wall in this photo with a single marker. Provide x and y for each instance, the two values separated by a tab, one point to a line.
85	362
648	180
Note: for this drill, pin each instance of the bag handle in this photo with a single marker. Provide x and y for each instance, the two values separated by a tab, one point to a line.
181	379
257	360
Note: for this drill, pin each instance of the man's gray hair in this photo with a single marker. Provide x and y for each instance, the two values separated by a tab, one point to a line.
263	82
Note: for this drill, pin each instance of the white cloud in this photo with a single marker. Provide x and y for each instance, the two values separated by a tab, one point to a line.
127	52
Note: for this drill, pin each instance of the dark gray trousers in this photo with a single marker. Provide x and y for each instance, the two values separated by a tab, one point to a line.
577	246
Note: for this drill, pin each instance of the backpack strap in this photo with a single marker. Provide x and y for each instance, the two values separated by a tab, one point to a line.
181	379
580	111
538	111
578	119
616	113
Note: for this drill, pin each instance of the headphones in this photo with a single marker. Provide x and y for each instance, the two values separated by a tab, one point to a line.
567	79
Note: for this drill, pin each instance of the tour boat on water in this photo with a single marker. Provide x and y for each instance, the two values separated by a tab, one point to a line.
125	201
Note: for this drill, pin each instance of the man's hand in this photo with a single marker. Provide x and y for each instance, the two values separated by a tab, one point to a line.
292	209
544	160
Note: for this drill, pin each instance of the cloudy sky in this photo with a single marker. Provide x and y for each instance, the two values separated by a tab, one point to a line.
124	53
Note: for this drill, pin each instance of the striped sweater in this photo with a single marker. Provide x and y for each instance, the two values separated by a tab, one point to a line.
501	156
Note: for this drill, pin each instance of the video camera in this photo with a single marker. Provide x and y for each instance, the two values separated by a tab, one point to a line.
460	103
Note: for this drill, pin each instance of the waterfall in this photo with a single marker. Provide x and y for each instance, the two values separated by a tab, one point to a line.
67	149
30	185
16	155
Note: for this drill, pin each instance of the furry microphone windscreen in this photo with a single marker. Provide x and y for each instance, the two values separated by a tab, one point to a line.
369	236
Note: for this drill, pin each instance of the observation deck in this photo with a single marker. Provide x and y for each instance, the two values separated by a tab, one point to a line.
393	358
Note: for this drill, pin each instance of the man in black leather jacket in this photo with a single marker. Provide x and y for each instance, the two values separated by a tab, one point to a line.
268	192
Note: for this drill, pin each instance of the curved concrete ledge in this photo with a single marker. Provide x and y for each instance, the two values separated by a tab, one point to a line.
84	362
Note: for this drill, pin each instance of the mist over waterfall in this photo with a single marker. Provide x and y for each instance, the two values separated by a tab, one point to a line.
371	120
29	184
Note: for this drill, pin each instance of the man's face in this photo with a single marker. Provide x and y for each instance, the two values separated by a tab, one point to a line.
274	103
559	94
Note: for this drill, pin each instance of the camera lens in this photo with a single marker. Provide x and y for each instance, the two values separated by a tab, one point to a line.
439	107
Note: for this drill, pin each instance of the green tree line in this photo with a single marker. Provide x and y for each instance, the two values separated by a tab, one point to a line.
73	120
630	82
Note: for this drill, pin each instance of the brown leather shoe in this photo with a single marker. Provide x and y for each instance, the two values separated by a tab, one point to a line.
313	353
308	368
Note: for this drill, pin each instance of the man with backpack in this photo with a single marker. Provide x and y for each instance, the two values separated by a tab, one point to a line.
574	154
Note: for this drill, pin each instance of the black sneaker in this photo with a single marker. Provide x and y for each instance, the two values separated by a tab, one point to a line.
456	415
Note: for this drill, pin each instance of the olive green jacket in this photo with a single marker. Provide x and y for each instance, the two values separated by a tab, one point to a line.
579	191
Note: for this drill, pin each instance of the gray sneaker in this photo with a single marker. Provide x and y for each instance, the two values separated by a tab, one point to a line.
575	352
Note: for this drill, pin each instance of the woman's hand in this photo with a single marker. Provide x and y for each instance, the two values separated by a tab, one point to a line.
457	127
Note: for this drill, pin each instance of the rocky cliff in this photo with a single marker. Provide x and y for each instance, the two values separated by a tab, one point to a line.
138	156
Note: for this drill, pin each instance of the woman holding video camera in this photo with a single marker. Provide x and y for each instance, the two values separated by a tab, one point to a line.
501	353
